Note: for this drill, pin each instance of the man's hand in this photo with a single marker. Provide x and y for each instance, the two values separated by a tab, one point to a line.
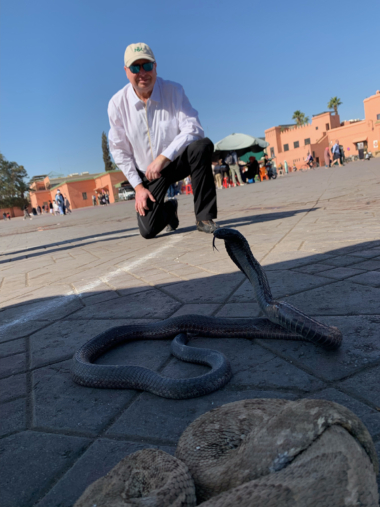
154	169
141	199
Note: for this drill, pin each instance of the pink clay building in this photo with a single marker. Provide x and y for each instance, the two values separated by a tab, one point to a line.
291	143
78	188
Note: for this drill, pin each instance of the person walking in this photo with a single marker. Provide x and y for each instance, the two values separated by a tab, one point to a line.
94	200
327	157
336	154
232	161
60	201
26	213
67	204
4	216
51	209
156	139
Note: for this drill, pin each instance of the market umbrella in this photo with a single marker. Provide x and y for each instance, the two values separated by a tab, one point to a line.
241	143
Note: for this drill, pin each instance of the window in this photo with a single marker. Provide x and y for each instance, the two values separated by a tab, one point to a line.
286	147
378	117
307	141
296	144
316	128
84	195
327	126
272	153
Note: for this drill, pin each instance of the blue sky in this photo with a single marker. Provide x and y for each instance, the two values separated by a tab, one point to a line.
245	66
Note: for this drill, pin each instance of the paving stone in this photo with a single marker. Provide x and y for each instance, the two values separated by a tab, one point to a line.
211	289
96	462
12	364
12	387
240	310
60	340
342	261
194	309
30	461
338	298
99	298
50	309
369	416
13	416
282	283
365	385
367	254
372	265
370	278
19	329
12	347
341	273
311	269
151	304
252	366
60	404
160	418
360	348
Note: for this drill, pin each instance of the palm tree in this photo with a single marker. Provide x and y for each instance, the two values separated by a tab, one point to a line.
300	117
334	104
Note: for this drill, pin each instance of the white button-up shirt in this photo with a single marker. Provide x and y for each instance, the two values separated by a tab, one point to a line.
140	132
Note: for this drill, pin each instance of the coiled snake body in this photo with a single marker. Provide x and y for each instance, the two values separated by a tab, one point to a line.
283	321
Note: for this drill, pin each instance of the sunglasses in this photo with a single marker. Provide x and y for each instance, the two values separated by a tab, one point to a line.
135	69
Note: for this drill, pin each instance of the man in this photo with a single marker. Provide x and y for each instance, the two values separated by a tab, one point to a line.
156	139
60	202
336	154
232	161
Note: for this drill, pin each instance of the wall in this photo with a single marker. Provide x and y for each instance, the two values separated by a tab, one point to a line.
320	136
14	212
39	198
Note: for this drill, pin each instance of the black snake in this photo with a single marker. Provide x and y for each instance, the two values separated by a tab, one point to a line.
283	321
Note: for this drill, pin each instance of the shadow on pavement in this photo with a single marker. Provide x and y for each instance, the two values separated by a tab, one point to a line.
72	435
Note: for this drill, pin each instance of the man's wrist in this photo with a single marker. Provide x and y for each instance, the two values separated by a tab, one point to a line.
139	187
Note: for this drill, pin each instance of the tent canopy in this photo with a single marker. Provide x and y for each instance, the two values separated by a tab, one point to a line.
246	156
241	143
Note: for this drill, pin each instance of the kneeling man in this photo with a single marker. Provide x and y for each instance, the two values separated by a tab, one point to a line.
156	139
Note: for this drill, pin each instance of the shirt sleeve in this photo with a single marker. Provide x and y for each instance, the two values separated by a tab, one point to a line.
120	147
189	127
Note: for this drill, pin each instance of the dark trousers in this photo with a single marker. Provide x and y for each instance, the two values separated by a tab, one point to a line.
195	161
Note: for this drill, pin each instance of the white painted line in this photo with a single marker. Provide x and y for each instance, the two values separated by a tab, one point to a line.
60	300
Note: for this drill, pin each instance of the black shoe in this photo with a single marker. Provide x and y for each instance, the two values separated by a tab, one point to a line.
173	222
207	226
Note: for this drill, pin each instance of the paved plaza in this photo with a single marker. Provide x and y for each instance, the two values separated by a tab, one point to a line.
65	279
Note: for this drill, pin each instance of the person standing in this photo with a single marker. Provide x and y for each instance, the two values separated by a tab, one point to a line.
217	170
336	154
94	200
232	161
60	202
156	139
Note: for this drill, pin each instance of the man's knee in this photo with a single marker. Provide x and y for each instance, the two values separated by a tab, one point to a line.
146	231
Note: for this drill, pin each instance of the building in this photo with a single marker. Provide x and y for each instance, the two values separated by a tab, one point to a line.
291	143
78	188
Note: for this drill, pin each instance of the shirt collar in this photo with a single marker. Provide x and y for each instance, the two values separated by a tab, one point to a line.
155	97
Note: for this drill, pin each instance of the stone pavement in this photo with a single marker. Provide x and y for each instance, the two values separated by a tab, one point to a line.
65	279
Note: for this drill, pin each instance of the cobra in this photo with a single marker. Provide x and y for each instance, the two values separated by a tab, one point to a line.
282	321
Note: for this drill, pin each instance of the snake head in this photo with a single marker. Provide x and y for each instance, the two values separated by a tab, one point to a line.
228	234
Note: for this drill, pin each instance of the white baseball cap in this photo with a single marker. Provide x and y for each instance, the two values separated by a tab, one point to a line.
138	51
